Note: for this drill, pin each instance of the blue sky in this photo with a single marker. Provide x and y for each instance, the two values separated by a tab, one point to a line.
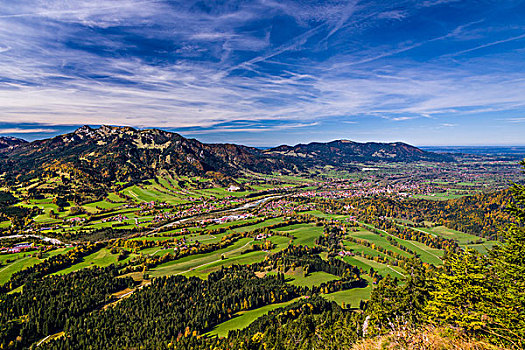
268	72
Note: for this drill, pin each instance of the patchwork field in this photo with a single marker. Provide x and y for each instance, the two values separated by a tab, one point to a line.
427	254
464	239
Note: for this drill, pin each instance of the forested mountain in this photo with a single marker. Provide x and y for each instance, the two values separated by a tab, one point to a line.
344	151
126	154
8	141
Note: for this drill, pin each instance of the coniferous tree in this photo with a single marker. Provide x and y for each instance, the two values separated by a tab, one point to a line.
509	263
485	294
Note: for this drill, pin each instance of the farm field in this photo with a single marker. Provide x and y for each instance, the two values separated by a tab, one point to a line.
378	240
320	214
427	254
351	297
7	271
193	262
313	278
259	225
440	196
208	263
464	239
151	193
359	249
231	259
20	261
366	264
244	318
100	258
305	234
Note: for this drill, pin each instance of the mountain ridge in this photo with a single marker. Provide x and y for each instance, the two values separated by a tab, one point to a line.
346	151
114	153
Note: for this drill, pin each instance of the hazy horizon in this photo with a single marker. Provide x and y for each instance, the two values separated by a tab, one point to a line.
35	137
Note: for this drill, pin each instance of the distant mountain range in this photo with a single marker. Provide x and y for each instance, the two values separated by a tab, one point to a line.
126	154
342	152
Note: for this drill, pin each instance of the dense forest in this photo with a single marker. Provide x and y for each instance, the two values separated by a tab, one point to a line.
46	305
174	307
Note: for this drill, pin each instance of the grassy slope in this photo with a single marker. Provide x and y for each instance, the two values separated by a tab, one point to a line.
305	234
351	297
23	260
379	241
366	264
192	262
101	258
426	254
464	239
244	318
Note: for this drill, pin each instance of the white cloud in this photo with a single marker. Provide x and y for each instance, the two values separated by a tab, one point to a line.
7	131
221	73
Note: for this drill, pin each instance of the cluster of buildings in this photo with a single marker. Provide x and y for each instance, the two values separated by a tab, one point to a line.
119	218
229	218
345	253
262	236
338	190
17	248
163	217
284	207
153	205
76	220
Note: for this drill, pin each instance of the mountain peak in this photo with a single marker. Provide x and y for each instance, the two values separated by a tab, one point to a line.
108	129
85	129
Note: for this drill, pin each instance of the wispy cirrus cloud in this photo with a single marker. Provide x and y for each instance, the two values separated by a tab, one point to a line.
247	126
497	42
200	65
515	120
